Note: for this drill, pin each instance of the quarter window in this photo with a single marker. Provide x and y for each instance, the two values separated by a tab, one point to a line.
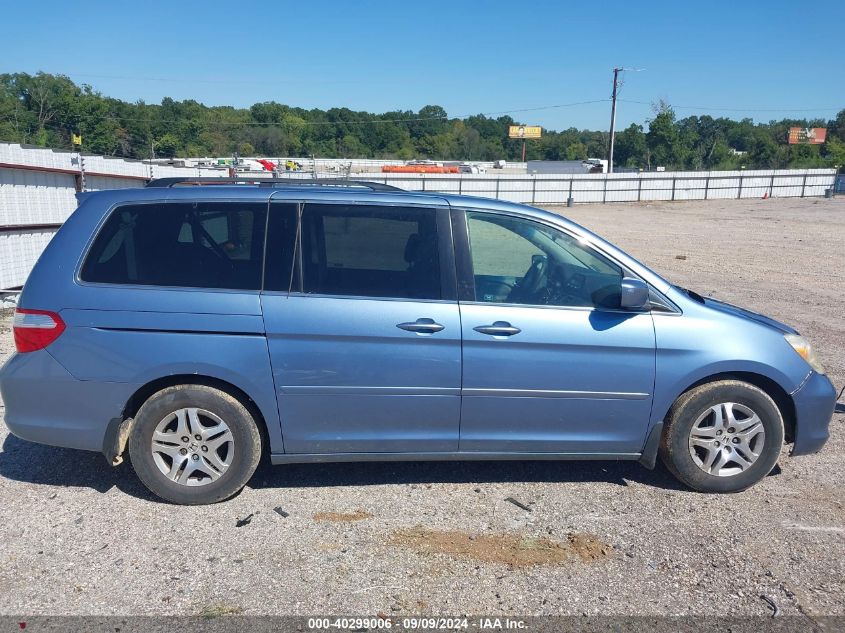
202	245
520	261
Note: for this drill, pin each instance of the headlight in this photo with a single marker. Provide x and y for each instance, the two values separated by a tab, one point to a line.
805	351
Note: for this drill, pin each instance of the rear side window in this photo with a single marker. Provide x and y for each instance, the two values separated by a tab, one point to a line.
370	251
200	245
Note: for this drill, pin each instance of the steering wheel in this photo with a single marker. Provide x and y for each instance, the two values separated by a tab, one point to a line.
534	279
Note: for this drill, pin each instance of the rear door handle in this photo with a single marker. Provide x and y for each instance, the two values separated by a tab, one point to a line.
421	326
499	328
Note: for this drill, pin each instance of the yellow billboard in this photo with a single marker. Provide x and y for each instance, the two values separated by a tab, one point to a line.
525	131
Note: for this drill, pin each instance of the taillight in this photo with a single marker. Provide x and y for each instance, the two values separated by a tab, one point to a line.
36	329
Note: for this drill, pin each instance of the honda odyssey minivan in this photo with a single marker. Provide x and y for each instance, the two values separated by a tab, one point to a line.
200	327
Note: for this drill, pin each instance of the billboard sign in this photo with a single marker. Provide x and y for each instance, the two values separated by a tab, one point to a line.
525	131
807	135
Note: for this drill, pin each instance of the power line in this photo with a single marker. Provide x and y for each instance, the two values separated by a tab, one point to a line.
114	117
211	123
65	127
412	119
312	80
721	109
516	111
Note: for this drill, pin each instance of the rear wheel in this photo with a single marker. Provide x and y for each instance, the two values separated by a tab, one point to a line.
722	436
193	444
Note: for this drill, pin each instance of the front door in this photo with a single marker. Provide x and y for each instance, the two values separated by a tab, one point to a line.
363	329
551	364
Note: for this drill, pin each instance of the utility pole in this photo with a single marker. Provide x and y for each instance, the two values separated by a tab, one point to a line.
153	144
616	72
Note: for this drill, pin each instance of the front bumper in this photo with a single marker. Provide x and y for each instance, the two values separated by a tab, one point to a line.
814	402
45	404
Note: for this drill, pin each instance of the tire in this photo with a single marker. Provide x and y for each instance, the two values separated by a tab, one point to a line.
709	434
220	456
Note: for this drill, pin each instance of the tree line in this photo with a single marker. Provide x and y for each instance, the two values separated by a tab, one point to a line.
45	110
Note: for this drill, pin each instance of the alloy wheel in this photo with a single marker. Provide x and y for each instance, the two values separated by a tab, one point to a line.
726	439
192	446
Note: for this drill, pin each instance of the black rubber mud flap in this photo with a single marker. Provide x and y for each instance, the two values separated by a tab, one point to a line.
114	442
649	455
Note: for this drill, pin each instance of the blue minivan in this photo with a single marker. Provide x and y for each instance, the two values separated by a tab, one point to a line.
203	327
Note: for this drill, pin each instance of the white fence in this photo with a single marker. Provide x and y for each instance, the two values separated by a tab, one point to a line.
37	188
624	187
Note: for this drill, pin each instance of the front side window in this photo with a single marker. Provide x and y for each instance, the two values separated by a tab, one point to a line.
520	261
370	251
201	245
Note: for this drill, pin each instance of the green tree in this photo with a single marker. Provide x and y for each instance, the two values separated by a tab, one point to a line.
630	149
663	138
167	145
835	150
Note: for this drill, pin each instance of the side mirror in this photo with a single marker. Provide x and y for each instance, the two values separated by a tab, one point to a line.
634	294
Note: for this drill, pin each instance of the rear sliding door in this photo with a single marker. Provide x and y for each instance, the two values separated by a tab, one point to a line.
363	327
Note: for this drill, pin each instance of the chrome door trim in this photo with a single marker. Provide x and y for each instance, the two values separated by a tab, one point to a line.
368	391
553	393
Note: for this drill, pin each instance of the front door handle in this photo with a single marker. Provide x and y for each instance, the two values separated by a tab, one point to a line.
421	326
499	328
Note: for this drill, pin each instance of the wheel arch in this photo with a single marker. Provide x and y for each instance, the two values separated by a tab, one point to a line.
143	393
777	393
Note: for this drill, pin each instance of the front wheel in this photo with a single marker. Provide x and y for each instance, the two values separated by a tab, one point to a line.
193	444
722	436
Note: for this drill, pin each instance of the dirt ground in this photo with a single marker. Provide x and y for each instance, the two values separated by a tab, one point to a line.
79	537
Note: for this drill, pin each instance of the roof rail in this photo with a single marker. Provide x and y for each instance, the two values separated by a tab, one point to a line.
267	182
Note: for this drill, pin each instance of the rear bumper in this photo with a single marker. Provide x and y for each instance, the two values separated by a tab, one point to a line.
45	404
814	404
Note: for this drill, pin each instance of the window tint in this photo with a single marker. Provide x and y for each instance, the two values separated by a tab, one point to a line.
370	251
521	261
214	245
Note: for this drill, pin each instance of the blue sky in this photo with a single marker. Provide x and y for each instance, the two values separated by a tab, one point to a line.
765	60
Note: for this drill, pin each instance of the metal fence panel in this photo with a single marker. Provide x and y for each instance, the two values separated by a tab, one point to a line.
623	187
19	250
97	183
35	197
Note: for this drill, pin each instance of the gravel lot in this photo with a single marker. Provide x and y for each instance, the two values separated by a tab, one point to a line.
79	537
